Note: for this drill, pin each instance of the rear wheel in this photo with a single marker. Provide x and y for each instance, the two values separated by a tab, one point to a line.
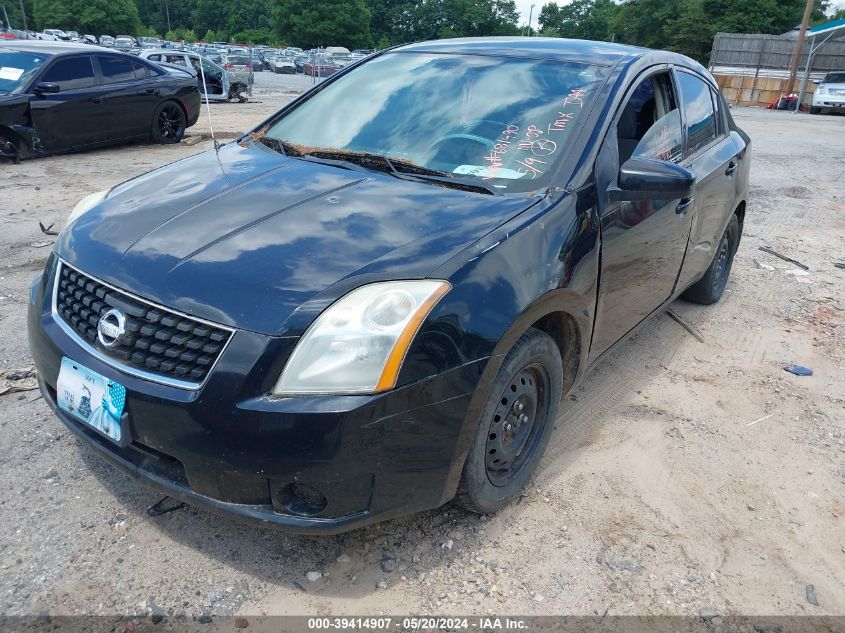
515	424
169	123
709	288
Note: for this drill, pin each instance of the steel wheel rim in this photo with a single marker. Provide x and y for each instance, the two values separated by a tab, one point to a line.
517	424
170	122
722	263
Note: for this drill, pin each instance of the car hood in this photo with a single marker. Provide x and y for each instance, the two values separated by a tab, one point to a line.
246	236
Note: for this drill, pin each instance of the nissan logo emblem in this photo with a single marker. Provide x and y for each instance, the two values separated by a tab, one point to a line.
111	327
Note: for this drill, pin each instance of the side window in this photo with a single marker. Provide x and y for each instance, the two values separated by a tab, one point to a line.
156	57
71	73
650	123
116	69
698	108
176	59
142	71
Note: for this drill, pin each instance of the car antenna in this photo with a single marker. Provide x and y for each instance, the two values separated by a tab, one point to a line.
207	106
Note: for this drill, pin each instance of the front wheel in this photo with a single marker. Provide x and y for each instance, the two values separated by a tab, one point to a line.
169	123
709	288
515	424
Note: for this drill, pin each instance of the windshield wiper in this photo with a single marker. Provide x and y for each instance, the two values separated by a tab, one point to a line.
401	169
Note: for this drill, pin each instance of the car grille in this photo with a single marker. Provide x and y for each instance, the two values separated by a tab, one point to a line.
157	341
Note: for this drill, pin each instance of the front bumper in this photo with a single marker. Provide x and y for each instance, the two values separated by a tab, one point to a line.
230	448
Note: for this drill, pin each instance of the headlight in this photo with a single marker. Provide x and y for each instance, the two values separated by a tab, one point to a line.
86	204
357	344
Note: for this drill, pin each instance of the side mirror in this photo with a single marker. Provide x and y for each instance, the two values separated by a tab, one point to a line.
47	87
643	178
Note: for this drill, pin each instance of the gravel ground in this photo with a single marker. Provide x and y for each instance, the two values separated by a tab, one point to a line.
683	475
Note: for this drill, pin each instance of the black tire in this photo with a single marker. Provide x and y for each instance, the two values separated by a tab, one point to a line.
515	424
709	288
11	148
169	123
815	110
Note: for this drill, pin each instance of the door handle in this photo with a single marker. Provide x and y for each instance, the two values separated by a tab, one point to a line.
96	99
684	206
731	168
150	91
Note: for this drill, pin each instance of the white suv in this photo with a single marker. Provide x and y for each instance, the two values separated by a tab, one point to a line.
830	93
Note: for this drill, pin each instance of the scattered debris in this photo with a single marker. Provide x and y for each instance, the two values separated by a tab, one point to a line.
799	370
538	597
161	507
241	623
42	244
686	326
12	380
707	614
313	576
343	558
810	592
48	230
772	251
839	265
191	140
763	265
448	544
765	417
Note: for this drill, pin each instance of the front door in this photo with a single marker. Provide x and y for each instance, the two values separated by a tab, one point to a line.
74	117
642	242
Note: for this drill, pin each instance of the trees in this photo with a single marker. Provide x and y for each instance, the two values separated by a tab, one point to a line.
311	23
581	19
87	16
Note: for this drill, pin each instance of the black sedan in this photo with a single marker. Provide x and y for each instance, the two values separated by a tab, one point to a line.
59	97
374	302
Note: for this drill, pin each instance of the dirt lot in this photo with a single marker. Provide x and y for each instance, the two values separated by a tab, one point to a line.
683	474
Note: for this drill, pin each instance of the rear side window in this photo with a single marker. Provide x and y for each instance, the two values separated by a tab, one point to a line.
71	73
698	108
142	71
116	69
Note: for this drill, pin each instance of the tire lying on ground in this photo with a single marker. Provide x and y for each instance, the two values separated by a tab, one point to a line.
169	123
515	424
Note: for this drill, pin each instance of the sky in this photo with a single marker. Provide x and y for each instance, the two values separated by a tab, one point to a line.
524	6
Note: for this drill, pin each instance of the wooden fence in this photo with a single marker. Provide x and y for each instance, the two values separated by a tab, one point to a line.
753	69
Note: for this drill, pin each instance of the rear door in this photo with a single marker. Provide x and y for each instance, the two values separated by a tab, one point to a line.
130	96
74	117
710	153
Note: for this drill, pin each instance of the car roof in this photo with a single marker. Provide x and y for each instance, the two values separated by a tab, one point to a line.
532	47
48	47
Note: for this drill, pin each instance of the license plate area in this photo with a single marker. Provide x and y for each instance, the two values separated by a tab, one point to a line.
96	401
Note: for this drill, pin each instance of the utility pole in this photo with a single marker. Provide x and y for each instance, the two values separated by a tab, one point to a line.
799	44
167	10
8	24
23	15
530	17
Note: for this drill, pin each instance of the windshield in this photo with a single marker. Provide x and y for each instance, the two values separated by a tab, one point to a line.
834	78
16	68
503	121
